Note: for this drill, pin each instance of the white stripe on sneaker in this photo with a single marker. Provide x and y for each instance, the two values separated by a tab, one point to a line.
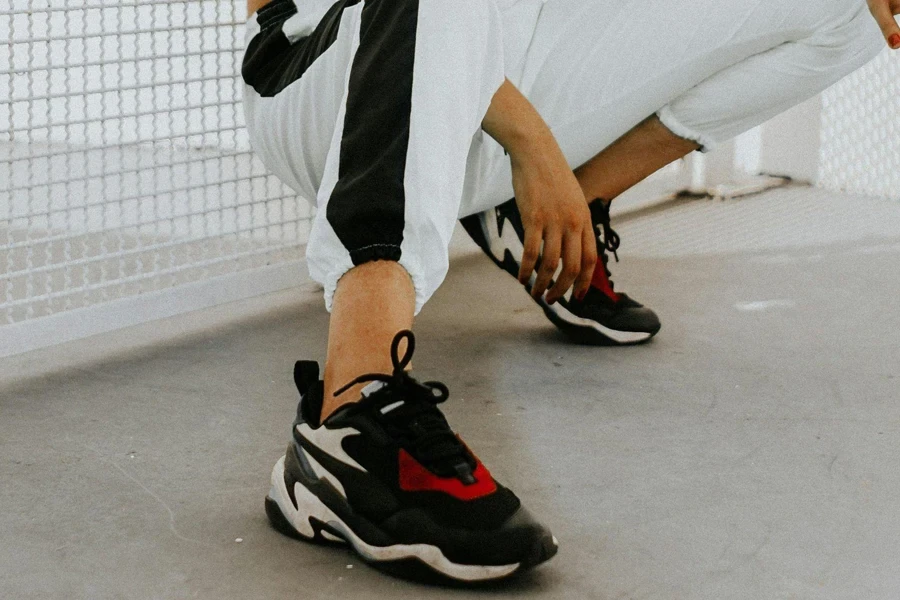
329	441
309	506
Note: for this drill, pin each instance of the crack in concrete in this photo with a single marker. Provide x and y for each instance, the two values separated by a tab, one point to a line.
153	495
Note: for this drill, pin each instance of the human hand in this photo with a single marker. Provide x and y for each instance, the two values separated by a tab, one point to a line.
884	11
554	214
553	208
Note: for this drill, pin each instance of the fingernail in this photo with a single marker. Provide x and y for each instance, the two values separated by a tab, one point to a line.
580	295
894	41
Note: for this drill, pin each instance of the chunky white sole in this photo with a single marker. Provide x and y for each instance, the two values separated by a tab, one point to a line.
622	337
310	507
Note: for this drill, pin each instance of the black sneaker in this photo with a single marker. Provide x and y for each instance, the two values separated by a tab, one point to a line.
603	317
388	476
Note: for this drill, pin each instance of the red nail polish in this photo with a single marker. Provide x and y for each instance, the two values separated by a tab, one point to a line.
894	41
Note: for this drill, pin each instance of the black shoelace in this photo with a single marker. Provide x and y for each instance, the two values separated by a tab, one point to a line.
600	218
607	238
418	422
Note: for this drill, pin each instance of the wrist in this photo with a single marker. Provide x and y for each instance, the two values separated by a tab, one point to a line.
535	144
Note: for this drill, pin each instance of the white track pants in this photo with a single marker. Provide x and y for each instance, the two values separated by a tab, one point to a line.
373	107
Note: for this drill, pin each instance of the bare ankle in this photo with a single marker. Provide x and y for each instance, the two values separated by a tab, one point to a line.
372	303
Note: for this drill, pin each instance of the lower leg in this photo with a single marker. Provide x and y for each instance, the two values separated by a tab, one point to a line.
372	303
381	195
643	150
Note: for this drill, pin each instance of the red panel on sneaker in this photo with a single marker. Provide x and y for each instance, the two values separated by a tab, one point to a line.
600	280
416	478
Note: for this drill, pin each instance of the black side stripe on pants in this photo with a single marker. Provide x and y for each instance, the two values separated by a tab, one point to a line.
366	208
367	205
271	62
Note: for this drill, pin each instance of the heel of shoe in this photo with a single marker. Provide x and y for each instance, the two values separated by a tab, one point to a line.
280	523
302	517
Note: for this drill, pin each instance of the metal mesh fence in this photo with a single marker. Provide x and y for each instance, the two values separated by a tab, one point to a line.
125	167
860	139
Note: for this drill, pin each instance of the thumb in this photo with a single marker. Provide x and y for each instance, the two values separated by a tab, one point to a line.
882	12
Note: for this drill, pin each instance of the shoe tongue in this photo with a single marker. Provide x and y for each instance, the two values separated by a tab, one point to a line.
424	420
372	388
392	403
444	454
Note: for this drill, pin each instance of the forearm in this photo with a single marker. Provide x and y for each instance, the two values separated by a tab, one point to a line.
519	128
516	125
646	148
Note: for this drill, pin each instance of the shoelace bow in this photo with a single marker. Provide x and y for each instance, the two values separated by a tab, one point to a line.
601	219
425	427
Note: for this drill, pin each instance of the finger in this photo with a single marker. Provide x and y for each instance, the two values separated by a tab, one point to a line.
549	261
588	262
530	254
881	10
571	256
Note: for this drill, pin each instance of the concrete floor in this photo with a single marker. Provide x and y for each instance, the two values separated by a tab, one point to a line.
751	451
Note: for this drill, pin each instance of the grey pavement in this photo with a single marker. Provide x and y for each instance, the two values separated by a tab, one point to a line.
751	451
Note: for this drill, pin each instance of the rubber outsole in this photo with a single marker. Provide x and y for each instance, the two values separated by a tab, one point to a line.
419	562
591	333
410	569
582	331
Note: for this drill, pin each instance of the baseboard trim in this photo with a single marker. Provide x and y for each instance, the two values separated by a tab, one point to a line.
77	324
